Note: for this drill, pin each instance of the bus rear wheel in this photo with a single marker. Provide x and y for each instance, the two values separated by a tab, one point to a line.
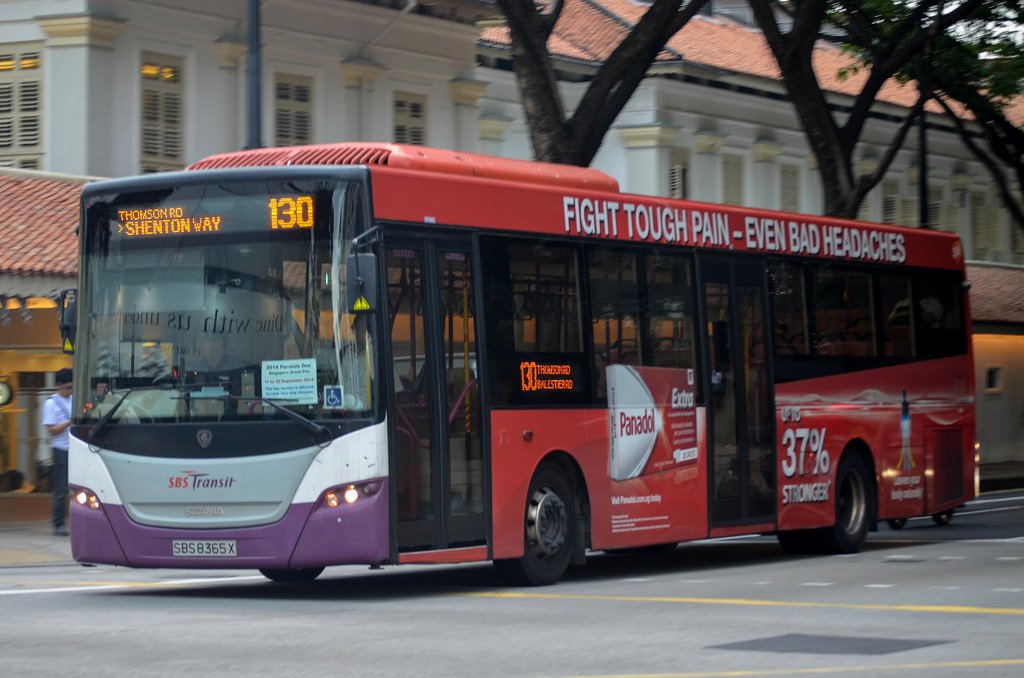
944	518
292	576
853	507
548	535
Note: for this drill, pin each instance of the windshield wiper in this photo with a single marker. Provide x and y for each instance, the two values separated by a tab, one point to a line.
306	422
106	418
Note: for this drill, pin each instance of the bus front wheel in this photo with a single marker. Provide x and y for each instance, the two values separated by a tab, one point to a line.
853	506
943	518
548	539
292	576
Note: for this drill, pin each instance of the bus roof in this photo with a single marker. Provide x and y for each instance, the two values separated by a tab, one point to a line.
427	186
419	158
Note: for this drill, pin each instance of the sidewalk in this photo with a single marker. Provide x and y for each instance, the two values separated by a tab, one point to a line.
26	536
24	544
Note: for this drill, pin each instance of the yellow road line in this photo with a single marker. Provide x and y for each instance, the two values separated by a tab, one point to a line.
750	602
981	663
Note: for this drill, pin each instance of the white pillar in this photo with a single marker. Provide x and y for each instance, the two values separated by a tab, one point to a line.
492	131
359	77
766	189
465	95
233	121
706	176
77	68
648	158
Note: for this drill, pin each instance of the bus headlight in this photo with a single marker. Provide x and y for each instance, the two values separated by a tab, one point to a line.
349	494
87	499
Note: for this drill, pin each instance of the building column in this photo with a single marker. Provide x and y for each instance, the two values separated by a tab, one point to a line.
648	157
465	95
706	175
766	189
359	77
229	55
492	131
77	64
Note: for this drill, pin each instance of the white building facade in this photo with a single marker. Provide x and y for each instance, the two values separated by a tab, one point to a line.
120	87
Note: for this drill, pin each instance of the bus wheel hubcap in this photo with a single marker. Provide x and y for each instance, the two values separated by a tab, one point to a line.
546	522
854	507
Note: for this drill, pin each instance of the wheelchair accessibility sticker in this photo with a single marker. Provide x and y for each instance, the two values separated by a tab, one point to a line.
334	397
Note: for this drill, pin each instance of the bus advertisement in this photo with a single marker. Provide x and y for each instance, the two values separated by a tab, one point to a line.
293	358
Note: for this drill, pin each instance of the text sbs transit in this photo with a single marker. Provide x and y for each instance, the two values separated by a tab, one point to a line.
703	227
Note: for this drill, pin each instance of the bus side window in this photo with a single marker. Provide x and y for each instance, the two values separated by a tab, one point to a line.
532	296
896	301
938	316
789	309
670	311
844	310
614	312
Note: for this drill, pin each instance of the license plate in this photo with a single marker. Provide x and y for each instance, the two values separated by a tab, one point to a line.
205	547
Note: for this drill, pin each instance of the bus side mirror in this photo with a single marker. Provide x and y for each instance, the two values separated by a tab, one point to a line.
361	283
68	311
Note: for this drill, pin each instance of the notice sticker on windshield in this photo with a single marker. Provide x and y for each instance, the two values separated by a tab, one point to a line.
290	381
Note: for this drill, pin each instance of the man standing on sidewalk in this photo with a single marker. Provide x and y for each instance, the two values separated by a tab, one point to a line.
57	420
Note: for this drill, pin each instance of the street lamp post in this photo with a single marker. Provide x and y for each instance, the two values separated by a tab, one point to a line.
253	139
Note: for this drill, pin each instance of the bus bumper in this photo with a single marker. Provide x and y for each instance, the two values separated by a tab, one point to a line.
307	536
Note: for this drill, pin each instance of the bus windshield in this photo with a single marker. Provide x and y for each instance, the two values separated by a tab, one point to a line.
221	301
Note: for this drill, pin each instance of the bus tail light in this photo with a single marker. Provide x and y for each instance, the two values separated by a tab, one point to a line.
87	498
977	468
349	494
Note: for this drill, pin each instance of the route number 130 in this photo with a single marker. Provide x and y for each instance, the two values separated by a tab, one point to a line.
291	212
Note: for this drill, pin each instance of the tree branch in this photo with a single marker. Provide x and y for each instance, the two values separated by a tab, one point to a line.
869	181
986	160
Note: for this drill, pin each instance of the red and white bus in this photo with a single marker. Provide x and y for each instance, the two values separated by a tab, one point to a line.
383	354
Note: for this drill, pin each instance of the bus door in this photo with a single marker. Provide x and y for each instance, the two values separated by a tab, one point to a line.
437	457
740	406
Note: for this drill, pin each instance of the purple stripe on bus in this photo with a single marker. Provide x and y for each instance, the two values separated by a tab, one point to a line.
305	537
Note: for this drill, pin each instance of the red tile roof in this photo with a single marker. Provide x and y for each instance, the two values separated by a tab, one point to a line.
589	30
997	294
38	217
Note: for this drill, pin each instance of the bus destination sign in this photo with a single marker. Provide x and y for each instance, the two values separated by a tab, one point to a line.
536	376
164	221
282	213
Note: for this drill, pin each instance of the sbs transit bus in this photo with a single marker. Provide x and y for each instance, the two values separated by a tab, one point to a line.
385	354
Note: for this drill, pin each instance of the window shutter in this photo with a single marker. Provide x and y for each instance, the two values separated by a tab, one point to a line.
20	107
732	180
679	176
991	229
162	107
293	111
789	186
409	119
909	215
890	202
